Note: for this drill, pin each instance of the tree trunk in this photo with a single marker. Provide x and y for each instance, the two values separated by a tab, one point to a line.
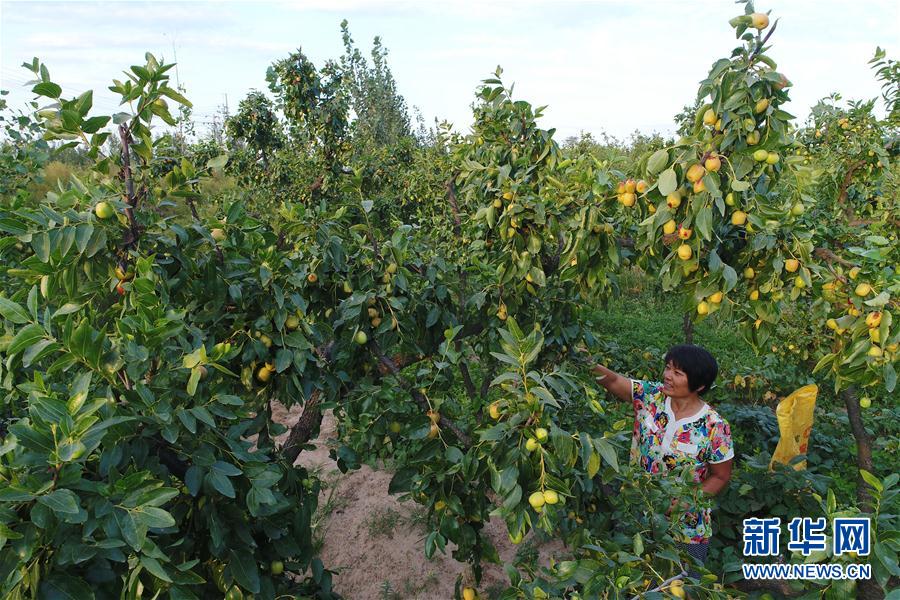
867	589
688	328
303	431
863	448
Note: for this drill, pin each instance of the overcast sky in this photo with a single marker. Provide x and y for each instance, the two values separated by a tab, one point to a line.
601	66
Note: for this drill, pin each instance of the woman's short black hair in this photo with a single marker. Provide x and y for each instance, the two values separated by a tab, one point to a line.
697	363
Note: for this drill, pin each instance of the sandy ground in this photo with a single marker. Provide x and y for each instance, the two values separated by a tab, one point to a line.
376	543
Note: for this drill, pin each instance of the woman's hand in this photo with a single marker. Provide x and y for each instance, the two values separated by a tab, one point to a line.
681	505
618	385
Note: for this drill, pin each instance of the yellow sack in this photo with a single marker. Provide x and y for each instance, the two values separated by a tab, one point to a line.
795	420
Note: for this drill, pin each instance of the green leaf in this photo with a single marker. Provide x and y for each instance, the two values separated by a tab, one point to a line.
193	381
174	95
730	277
227	469
402	480
61	502
13	312
41	245
608	452
739	186
66	309
871	480
890	377
26	337
218	162
156	569
132	535
153	517
658	161
221	483
47	89
283	359
704	222
668	182
64	587
244	569
593	464
94	124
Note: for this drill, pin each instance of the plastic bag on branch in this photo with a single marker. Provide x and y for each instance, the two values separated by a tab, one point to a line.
795	420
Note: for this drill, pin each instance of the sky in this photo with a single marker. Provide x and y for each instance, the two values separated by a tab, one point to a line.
600	66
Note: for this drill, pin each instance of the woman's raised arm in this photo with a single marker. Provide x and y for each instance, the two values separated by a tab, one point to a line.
618	385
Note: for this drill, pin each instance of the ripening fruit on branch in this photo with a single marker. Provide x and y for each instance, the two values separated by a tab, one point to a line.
863	290
749	273
264	374
695	172
759	21
713	164
494	410
754	295
312	278
865	402
832	324
797	209
703	308
685	252
761	106
536	500
684	233
627	199
541	434
630	186
361	338
104	210
753	138
217	234
873	319
772	158
641	186
875	351
760	155
799	283
710	117
531	444
738	218
669	227
791	265
716	298
469	594
673	200
550	497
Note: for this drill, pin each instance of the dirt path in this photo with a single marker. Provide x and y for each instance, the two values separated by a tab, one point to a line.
376	543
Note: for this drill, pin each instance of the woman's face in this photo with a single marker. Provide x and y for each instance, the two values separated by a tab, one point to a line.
675	382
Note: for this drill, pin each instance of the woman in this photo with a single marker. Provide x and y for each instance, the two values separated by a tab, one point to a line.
675	428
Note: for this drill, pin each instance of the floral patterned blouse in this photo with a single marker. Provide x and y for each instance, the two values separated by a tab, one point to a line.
661	444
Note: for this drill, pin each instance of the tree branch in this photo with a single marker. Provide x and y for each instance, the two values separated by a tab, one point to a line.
417	396
131	237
